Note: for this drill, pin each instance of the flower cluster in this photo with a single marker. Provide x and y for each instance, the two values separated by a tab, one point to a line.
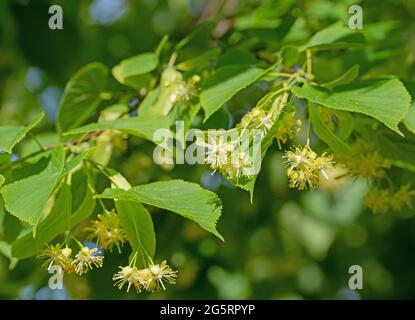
258	119
240	165
149	279
108	231
305	166
288	128
365	161
85	259
56	255
229	151
218	150
224	153
184	90
385	200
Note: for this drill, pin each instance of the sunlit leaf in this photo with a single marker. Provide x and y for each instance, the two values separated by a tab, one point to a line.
143	127
184	198
26	199
224	84
138	225
11	135
385	100
56	222
81	97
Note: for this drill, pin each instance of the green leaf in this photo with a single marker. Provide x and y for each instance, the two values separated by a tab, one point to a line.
87	206
409	120
346	125
31	145
145	108
335	37
26	199
184	198
199	37
236	56
134	71
200	62
81	97
325	134
6	250
398	150
345	78
143	127
266	16
251	22
138	65
56	222
161	45
10	226
5	159
138	225
290	55
11	135
2	179
224	84
75	162
385	100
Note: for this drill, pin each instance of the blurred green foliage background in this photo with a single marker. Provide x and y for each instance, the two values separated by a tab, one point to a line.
287	244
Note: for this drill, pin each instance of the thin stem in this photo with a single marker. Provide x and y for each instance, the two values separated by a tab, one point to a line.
309	61
281	74
172	59
390	182
133	260
78	243
101	203
36	140
104	208
104	171
308	130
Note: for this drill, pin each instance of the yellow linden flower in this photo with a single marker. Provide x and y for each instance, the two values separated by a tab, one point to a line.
402	198
300	157
217	151
302	180
55	255
160	273
305	166
149	279
288	129
383	201
195	79
324	162
378	200
128	275
258	119
237	166
146	279
86	259
365	161
108	231
184	90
